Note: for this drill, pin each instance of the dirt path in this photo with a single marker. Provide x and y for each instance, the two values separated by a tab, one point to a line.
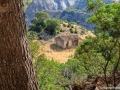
52	51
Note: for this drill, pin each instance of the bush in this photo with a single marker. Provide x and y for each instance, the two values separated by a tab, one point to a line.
69	25
31	35
72	26
40	37
64	25
57	32
35	28
34	46
71	30
82	31
76	31
53	25
61	30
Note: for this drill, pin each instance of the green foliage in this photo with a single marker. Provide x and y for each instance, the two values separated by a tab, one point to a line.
76	31
34	46
42	22
94	5
61	30
26	3
31	35
69	25
64	25
48	74
71	30
53	26
35	28
82	32
40	37
38	22
106	18
93	53
88	57
73	23
72	26
41	15
74	71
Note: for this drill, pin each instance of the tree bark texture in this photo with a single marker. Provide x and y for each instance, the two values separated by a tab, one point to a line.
16	68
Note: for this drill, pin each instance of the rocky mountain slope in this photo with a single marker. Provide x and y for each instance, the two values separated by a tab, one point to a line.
43	5
71	10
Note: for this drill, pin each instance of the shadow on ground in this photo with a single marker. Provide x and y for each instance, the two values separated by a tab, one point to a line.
55	47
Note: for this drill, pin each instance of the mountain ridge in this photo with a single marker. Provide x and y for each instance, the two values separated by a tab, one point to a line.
65	8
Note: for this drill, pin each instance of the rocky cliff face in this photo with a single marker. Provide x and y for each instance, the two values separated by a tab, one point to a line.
71	16
43	5
52	6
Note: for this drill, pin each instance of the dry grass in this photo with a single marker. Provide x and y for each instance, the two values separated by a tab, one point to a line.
52	51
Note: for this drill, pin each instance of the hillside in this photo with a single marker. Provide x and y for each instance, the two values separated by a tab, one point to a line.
52	51
65	9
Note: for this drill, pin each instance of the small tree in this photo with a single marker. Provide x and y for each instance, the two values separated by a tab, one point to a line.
106	17
38	22
76	31
53	26
71	30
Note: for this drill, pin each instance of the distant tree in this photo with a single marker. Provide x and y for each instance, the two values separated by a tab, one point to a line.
38	21
39	18
53	26
16	69
41	15
76	31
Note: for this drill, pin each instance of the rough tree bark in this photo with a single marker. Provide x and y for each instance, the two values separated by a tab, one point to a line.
16	69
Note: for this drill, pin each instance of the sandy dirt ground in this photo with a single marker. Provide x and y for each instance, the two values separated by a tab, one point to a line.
52	51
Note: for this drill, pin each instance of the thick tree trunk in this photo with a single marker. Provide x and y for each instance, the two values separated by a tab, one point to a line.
16	69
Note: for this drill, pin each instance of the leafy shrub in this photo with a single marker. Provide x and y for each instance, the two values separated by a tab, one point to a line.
82	31
71	30
53	26
69	25
57	32
40	37
35	28
72	26
64	25
76	31
31	35
61	30
34	46
48	74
